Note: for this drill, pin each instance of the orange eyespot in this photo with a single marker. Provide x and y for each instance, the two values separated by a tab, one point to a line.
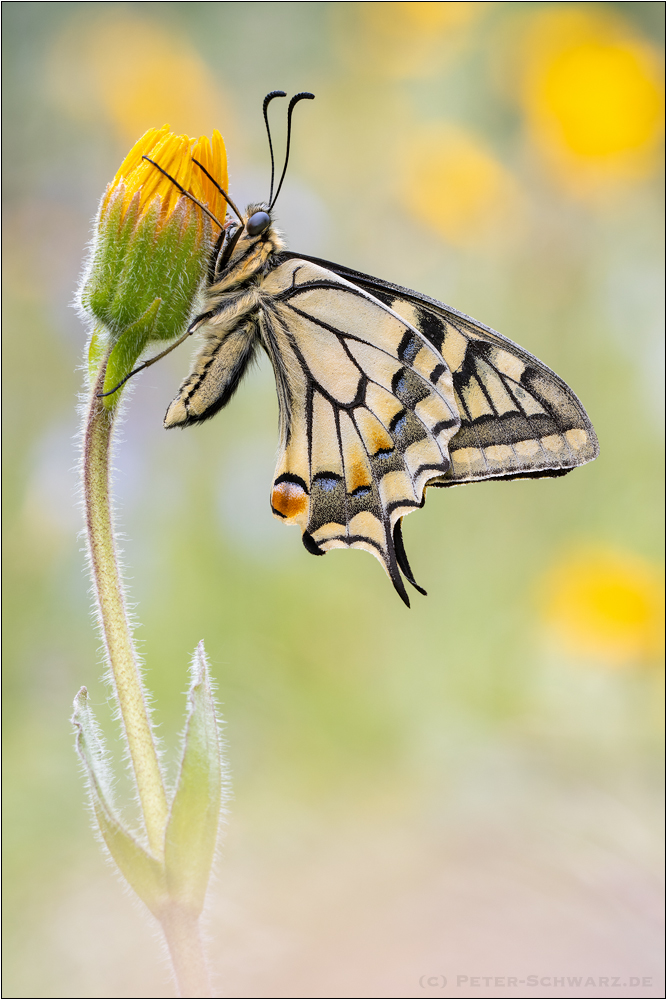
289	500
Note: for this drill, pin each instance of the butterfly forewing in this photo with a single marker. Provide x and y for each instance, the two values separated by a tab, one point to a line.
517	417
368	411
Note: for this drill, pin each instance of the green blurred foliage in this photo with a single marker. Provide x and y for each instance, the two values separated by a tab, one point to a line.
348	716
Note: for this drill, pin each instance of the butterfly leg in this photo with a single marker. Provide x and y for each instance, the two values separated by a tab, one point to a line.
230	343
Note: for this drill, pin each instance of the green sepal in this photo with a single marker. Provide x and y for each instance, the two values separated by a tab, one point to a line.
192	828
127	349
144	873
138	258
96	350
114	231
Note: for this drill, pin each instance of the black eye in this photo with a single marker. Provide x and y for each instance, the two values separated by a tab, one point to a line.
257	223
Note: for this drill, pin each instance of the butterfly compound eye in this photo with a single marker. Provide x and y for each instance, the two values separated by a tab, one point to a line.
257	223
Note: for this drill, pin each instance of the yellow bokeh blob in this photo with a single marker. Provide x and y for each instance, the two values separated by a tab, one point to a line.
455	186
401	40
606	605
594	96
135	73
418	18
604	99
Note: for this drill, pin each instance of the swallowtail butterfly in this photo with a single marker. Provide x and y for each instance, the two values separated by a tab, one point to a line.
382	391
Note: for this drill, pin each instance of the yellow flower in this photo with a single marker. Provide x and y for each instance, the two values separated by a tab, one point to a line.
605	605
175	154
151	247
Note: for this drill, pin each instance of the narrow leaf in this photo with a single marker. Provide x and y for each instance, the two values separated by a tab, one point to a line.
193	823
143	872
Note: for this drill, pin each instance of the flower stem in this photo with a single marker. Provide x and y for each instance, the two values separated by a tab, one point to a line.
181	929
115	626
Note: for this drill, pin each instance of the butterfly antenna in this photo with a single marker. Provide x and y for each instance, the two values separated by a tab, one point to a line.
267	101
220	189
305	96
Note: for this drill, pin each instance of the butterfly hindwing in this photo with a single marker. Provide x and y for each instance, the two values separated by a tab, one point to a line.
518	418
368	412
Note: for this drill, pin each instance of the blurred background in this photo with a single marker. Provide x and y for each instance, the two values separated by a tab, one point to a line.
467	789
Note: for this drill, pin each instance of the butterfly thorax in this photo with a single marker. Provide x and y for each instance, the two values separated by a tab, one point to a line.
229	321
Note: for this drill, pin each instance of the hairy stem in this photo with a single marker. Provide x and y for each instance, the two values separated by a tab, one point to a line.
181	929
115	626
179	923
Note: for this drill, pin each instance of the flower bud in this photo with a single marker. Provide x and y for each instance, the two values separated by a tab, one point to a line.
151	248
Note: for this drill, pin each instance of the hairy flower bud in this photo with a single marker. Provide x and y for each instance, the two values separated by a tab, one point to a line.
151	248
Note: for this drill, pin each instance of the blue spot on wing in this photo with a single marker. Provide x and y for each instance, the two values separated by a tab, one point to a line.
399	426
327	483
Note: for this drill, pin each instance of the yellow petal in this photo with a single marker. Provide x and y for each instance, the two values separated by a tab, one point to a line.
174	154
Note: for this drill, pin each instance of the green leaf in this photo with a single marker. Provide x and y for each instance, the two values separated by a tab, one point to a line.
192	828
144	873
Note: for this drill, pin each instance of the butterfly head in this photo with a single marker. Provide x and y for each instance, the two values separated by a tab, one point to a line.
250	241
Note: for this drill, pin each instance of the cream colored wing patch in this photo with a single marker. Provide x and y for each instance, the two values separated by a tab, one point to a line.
518	418
368	412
